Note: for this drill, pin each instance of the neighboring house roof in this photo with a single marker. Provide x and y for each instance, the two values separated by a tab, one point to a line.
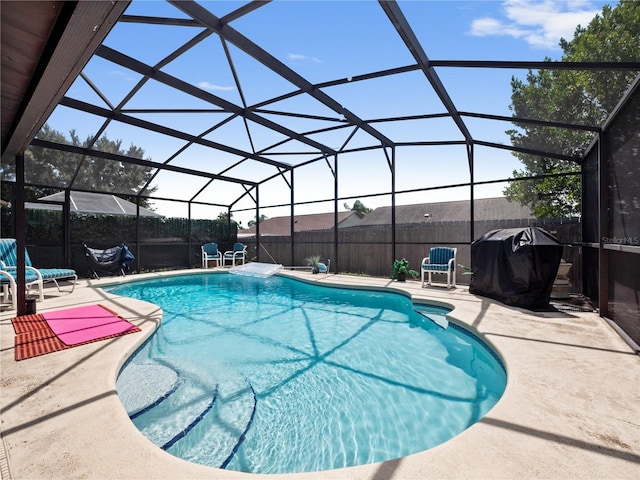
317	221
498	208
96	203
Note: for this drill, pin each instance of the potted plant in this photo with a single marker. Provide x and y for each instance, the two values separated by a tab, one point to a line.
314	262
465	270
400	270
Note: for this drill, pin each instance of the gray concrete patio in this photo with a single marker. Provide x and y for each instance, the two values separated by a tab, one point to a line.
571	408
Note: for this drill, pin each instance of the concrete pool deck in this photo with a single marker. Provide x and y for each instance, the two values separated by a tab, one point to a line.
571	408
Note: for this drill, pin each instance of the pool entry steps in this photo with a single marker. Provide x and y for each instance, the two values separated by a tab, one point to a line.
431	312
157	382
256	269
206	430
182	433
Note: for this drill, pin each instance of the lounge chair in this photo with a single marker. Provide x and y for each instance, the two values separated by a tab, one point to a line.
210	253
9	286
237	255
33	276
112	260
441	260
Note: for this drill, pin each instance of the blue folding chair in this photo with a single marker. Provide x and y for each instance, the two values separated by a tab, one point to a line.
441	260
237	255
210	253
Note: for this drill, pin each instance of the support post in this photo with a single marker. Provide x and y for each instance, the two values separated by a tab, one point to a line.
292	220
189	236
472	216
21	229
603	229
393	204
336	256
66	227
257	223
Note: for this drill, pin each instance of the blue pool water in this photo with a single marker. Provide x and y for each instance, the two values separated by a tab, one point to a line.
275	375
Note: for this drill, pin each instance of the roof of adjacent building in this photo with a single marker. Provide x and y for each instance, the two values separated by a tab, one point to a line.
95	203
498	208
316	221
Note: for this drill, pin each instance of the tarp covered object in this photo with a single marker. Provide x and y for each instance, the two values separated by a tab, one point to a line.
516	266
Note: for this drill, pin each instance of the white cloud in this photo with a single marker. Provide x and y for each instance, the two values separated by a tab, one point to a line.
213	86
297	57
124	75
484	27
540	23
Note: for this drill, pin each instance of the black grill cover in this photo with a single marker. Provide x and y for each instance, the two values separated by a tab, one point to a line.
516	266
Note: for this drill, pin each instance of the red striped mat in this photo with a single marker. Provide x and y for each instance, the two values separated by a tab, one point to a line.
29	323
34	337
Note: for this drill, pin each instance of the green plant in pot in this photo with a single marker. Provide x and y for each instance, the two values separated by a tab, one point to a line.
400	270
466	270
314	262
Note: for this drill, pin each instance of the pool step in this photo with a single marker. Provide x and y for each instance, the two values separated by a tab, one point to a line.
435	313
142	387
216	438
178	414
436	318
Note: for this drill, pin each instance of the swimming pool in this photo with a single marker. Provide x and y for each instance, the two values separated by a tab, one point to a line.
279	376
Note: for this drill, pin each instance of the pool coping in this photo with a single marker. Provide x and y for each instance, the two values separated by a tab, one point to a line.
570	408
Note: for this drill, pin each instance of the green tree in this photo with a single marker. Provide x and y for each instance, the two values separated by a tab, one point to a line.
359	207
260	220
59	169
224	218
578	97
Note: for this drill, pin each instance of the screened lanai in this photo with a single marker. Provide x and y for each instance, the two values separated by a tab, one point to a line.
250	109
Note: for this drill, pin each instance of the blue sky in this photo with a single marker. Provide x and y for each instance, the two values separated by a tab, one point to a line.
322	41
